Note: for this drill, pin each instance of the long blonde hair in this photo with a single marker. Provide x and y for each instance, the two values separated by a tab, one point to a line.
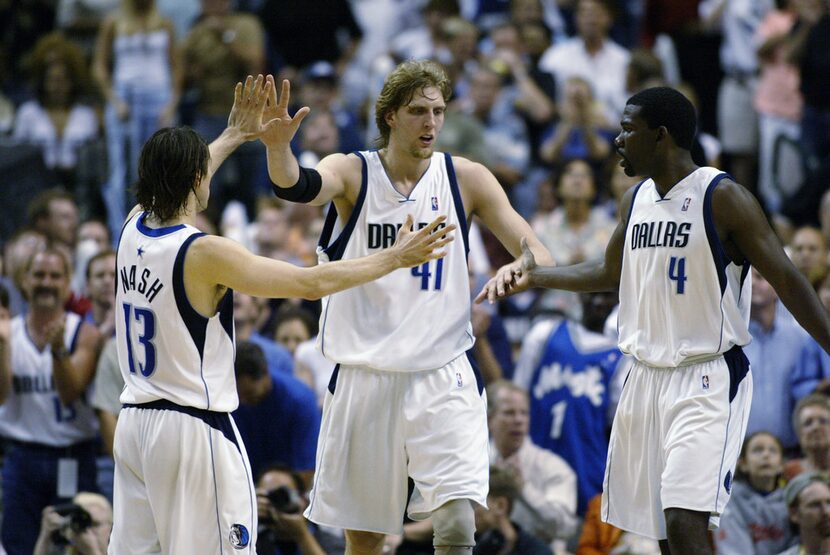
401	85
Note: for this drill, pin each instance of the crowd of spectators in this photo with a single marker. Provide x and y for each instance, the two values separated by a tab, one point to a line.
538	89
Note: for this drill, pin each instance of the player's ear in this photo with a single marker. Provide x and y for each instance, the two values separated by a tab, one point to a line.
661	134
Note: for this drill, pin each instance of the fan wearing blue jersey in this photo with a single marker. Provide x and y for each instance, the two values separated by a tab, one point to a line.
680	258
403	400
183	482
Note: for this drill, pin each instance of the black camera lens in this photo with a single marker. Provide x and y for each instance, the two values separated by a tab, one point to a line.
77	520
284	500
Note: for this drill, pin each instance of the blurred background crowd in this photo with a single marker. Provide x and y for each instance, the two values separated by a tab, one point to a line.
538	90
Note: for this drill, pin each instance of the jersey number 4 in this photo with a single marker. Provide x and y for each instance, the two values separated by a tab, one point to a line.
147	319
677	273
423	272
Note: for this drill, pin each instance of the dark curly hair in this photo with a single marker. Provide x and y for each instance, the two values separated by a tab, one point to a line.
55	48
172	162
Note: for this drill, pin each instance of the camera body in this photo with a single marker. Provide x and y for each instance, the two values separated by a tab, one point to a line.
284	500
76	518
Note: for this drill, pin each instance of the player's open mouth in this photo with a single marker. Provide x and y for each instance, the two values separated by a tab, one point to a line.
426	140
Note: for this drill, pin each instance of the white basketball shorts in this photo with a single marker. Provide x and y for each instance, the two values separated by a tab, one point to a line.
675	441
182	483
379	428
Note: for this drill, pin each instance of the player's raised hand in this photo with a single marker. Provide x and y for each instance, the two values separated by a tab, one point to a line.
416	247
248	103
511	278
280	127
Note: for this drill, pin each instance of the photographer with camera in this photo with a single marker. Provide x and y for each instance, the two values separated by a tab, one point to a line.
283	530
496	534
81	527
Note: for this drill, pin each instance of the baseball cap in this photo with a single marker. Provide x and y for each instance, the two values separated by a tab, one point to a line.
797	484
322	70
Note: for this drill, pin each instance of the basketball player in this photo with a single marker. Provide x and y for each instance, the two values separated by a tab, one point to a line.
404	400
182	479
680	257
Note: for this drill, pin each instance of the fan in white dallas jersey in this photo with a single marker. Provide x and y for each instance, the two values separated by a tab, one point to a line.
183	483
680	257
403	401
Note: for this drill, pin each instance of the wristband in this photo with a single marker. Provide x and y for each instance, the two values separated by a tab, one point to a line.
304	190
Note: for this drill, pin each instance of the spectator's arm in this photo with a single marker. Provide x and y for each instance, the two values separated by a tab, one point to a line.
5	356
73	372
102	60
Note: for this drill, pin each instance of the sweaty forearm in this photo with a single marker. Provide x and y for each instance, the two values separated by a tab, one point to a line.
283	168
590	276
332	277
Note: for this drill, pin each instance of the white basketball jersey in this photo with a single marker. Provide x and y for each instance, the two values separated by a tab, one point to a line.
413	318
166	349
33	412
682	299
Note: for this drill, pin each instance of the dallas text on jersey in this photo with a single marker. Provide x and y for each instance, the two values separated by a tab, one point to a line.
142	285
382	236
660	234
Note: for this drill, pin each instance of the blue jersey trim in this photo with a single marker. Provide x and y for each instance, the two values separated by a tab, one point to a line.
719	255
155	232
459	203
220	421
196	323
738	365
215	492
333	380
118	248
74	341
476	372
226	314
631	211
336	248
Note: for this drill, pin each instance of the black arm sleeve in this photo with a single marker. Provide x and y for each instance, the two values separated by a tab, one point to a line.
304	190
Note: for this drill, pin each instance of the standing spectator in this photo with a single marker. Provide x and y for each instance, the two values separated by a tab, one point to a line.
777	342
547	503
593	56
219	51
56	119
811	420
138	70
277	417
808	500
777	100
814	59
16	255
570	371
49	427
496	534
755	522
737	121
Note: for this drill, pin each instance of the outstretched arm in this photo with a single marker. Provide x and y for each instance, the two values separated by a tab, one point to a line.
226	263
594	275
740	220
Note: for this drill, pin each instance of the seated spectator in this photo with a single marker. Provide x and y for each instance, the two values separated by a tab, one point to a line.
282	529
755	521
812	371
248	317
80	528
808	251
318	138
811	420
294	326
601	538
56	119
575	231
16	253
277	418
808	500
546	501
496	534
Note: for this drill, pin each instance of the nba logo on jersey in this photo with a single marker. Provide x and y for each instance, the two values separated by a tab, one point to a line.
434	204
686	204
458	380
705	380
